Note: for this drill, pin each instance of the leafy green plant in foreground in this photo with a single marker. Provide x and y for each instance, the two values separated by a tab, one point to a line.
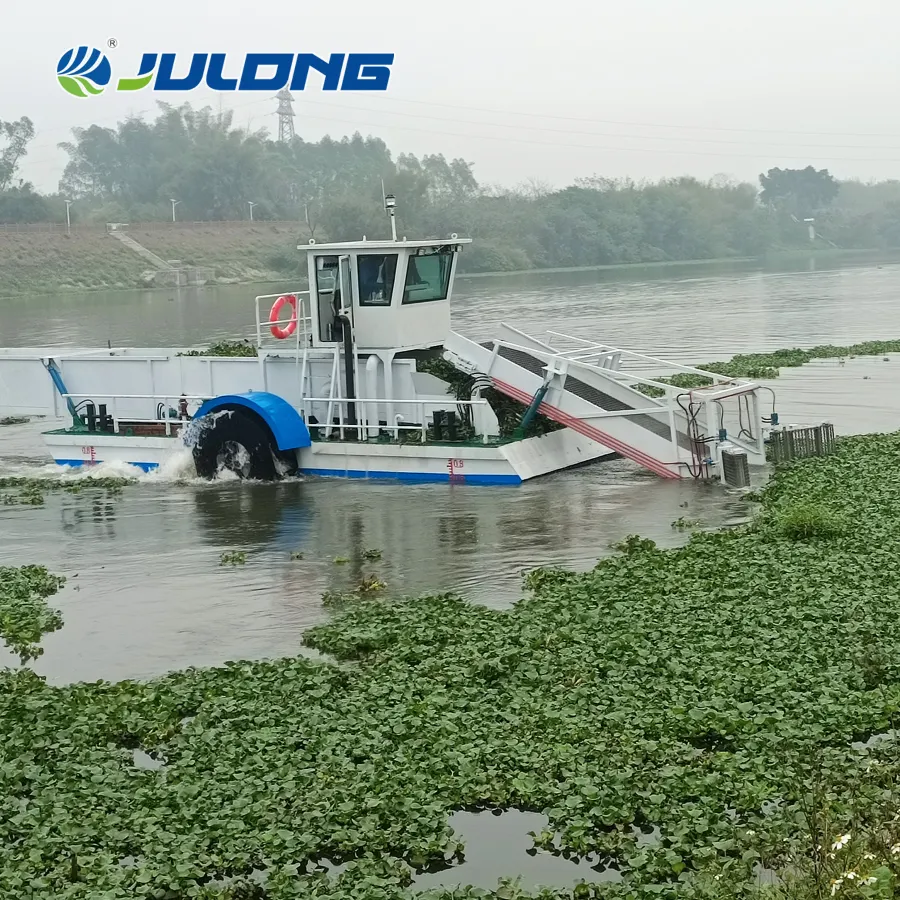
804	521
702	693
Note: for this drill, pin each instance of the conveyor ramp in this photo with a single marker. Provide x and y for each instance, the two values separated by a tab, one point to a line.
587	390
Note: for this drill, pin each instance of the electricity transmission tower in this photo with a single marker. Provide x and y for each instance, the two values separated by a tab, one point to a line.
285	115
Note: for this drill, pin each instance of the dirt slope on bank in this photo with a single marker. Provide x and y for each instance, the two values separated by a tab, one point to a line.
39	261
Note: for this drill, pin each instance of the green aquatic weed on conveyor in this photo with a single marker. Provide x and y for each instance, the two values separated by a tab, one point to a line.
708	691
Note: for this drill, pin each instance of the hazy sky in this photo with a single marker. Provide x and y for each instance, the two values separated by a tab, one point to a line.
550	90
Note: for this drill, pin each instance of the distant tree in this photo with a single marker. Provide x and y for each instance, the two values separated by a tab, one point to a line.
799	191
21	204
332	189
14	140
534	188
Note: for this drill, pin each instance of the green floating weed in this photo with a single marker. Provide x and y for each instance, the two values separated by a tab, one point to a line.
806	521
369	584
332	599
233	558
31	491
545	578
340	560
766	365
683	522
634	543
699	693
25	617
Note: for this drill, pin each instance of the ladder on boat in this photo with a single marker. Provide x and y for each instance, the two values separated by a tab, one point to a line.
584	387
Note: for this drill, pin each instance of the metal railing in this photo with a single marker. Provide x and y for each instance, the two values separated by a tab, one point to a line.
363	424
590	350
792	442
165	399
101	227
302	315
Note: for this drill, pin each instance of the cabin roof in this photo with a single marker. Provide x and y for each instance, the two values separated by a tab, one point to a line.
384	245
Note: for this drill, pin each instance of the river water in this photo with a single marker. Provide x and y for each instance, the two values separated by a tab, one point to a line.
146	592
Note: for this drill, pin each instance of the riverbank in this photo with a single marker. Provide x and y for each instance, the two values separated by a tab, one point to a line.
685	716
823	256
87	259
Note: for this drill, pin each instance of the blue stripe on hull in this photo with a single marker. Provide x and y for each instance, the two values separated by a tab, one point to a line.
415	477
410	477
147	467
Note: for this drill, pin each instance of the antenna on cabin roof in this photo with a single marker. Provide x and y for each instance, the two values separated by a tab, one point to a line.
390	205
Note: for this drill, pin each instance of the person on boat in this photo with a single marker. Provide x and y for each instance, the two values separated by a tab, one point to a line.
376	278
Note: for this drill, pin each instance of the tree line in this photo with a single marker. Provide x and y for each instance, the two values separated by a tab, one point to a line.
332	188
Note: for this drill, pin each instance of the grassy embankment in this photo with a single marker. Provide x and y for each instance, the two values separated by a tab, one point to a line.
48	262
728	693
35	262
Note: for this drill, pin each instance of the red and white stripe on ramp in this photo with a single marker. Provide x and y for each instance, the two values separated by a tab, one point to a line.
582	427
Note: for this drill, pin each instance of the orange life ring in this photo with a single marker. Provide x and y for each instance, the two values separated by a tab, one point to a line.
275	314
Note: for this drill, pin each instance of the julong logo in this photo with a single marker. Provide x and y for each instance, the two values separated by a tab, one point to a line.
84	72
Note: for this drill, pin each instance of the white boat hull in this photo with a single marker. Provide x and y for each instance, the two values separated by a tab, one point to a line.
504	464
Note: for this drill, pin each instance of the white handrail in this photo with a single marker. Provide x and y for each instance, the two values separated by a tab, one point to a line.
359	427
421	404
382	401
363	424
298	317
169	422
606	348
669	389
161	397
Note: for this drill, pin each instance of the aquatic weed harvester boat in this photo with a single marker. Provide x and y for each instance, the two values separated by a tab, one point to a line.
339	385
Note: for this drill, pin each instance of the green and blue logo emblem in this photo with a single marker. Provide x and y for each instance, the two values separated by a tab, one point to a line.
83	71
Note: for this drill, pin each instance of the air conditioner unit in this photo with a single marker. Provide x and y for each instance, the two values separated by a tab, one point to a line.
735	468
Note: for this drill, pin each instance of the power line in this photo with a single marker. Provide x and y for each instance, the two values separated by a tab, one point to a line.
31	160
510	112
641	137
595	147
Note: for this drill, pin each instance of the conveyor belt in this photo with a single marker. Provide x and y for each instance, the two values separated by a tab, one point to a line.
591	394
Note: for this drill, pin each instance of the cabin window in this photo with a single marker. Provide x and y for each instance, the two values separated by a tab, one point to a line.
329	297
427	278
376	279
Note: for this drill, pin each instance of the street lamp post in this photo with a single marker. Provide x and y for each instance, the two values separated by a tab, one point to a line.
68	218
251	204
174	204
812	229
